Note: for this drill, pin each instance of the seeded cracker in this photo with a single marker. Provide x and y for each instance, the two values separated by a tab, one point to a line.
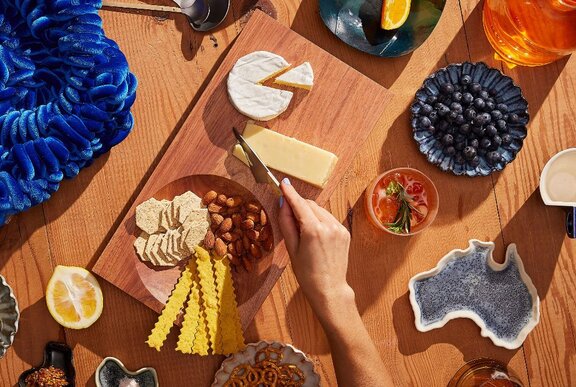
172	309
210	298
185	203
140	244
148	216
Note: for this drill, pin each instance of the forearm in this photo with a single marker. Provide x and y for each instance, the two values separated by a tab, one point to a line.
355	357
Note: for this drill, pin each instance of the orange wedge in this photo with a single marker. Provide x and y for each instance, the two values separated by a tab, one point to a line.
394	13
74	297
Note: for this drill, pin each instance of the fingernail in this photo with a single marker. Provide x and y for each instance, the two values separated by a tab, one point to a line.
286	181
281	201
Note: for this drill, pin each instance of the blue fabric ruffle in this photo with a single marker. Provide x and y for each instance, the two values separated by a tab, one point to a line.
65	96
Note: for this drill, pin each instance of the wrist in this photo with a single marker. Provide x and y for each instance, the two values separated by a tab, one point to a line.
333	306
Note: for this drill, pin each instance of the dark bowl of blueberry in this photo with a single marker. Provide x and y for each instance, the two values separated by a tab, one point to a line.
469	119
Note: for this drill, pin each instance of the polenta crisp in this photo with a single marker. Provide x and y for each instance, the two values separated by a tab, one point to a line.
209	296
173	307
192	316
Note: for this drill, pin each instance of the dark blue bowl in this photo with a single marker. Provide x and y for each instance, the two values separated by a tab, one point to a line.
505	91
357	23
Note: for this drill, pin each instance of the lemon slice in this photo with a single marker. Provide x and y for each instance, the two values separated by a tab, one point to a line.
74	297
394	13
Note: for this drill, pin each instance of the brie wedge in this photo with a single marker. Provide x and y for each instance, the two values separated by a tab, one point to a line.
246	92
301	76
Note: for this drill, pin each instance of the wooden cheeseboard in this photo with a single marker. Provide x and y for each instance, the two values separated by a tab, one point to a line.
336	115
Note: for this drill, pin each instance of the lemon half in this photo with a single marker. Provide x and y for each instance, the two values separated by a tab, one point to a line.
74	297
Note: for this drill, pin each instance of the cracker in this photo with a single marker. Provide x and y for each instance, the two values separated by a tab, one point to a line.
149	246
164	221
164	258
140	245
192	316
209	295
195	228
185	203
170	312
231	327
148	215
153	254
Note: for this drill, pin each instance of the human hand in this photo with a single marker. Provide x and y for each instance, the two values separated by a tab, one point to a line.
318	247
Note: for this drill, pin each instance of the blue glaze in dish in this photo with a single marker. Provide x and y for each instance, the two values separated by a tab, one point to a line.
489	78
500	298
357	23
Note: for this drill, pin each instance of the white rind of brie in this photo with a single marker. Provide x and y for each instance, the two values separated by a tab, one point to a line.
258	102
259	66
301	76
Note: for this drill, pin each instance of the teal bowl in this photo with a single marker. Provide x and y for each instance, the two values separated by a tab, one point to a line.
357	23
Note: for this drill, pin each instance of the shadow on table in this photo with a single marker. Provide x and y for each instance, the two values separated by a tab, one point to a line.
539	247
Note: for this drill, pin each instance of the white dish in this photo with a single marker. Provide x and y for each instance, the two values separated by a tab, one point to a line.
112	373
500	298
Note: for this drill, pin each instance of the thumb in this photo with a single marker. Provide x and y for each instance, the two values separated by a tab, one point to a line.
288	226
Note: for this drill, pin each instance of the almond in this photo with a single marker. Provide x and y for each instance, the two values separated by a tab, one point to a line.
253	217
234	201
237	220
263	218
247	224
239	247
253	207
246	243
226	225
227	237
253	235
220	247
221	199
255	251
209	197
234	260
232	248
214	208
209	240
216	219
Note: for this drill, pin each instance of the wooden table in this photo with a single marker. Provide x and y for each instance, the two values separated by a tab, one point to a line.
173	65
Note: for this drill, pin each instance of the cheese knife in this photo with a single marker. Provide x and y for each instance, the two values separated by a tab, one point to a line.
260	171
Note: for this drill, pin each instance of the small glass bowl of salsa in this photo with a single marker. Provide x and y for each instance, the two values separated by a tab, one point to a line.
401	201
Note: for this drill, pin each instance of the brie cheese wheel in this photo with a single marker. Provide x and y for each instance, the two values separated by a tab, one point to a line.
301	76
259	66
258	102
246	92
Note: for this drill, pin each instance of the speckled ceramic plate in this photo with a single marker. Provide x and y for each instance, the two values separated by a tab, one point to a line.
500	298
112	373
505	91
288	353
357	23
9	316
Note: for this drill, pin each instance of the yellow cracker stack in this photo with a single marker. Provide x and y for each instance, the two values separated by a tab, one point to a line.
171	310
231	327
209	296
193	319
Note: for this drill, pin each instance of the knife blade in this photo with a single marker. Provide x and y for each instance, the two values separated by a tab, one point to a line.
260	171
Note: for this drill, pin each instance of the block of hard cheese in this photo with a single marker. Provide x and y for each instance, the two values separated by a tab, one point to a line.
288	155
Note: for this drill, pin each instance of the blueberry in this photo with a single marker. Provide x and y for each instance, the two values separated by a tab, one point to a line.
459	137
453	114
493	91
475	161
490	105
479	130
451	130
447	140
467	98
442	109
431	99
427	109
496	142
470	114
447	88
475	88
484	94
507	138
473	143
485	143
469	152
450	151
460	120
491	130
513	119
482	152
455	106
442	125
479	103
478	120
496	115
425	122
438	135
493	157
466	79
431	129
485	117
464	128
457	96
502	107
433	115
415	109
501	125
460	145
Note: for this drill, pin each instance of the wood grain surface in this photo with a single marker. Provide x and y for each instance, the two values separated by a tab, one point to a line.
174	66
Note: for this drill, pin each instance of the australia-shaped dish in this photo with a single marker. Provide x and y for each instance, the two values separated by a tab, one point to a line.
499	298
112	373
9	316
357	23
